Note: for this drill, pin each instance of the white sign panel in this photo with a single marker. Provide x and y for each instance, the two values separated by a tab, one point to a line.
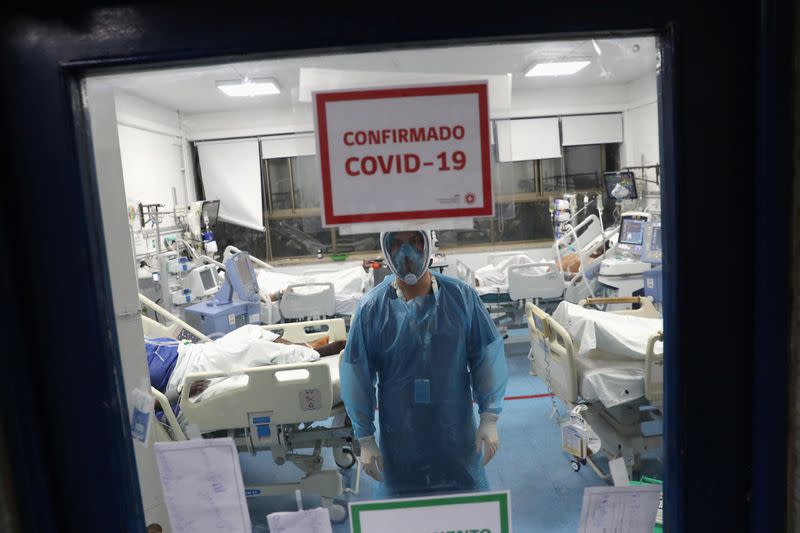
404	153
485	512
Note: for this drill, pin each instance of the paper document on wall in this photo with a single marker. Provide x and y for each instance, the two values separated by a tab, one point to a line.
311	521
620	509
203	488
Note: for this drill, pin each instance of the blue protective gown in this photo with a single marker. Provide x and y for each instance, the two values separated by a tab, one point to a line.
429	357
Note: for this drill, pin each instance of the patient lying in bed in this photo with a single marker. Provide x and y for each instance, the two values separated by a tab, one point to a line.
169	361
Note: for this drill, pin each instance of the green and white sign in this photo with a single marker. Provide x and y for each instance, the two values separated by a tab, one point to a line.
484	512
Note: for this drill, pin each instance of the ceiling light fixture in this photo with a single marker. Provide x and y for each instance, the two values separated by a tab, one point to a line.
248	87
561	68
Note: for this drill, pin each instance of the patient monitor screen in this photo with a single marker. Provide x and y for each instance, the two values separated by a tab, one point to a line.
207	279
631	231
620	185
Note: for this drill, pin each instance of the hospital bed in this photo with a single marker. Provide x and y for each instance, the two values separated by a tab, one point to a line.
316	293
273	409
612	368
570	275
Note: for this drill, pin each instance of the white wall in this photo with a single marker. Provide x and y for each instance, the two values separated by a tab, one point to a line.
569	101
250	123
641	123
154	152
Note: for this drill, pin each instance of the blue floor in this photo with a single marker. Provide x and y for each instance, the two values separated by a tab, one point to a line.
546	494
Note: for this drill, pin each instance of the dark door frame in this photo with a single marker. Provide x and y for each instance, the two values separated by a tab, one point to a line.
723	126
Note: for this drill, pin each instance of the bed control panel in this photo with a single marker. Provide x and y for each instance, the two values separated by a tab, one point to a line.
260	429
311	400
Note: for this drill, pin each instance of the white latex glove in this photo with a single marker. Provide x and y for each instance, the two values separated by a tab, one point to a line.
487	433
371	457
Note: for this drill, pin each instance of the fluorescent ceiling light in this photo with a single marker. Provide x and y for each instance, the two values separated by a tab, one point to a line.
248	87
562	68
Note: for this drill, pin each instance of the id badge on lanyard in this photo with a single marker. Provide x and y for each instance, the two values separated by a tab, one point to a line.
422	385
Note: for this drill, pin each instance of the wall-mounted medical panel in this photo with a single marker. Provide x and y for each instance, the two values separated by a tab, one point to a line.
231	173
529	138
288	145
591	129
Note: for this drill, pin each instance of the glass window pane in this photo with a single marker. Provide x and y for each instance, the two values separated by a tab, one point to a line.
531	222
362	242
513	177
584	164
307	181
298	237
279	183
552	171
578	170
480	234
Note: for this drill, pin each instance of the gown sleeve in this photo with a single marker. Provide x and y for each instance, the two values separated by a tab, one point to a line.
485	356
358	378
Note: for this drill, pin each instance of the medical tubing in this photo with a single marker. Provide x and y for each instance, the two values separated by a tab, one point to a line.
571	230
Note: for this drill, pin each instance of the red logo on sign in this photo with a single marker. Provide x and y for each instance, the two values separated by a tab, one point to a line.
469	198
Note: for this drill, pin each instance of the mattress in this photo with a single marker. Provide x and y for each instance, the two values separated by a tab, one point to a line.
623	336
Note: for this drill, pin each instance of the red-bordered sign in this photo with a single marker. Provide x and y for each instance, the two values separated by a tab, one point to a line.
404	153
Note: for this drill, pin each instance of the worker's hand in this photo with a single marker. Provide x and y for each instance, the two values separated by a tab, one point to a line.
487	434
371	457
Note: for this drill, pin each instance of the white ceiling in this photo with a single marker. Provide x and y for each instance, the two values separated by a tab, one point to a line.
193	90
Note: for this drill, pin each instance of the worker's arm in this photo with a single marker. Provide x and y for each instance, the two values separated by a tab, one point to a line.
358	378
485	357
487	366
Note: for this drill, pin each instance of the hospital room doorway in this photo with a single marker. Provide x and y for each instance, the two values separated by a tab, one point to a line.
213	198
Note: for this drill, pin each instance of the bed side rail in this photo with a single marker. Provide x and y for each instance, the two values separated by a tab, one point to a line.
527	281
646	307
291	394
296	304
560	351
174	426
654	371
296	331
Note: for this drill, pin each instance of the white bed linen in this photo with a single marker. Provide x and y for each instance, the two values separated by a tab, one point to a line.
612	382
246	347
622	336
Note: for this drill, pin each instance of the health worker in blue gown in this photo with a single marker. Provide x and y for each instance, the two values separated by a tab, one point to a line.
429	345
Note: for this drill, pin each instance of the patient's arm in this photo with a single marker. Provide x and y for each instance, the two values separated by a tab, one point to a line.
322	341
321	345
